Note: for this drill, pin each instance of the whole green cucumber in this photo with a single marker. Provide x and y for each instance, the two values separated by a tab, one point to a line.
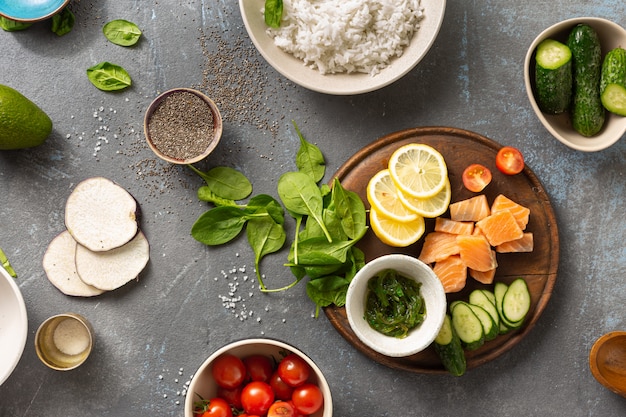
587	111
613	81
553	76
448	347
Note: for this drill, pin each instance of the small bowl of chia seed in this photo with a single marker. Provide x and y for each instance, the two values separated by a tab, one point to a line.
182	126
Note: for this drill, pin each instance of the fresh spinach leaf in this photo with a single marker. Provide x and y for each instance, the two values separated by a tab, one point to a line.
264	203
265	236
219	225
205	194
108	77
122	32
10	25
4	263
228	183
63	22
273	13
300	195
350	209
328	290
309	158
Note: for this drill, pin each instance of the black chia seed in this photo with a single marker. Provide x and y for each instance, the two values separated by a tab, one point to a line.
181	126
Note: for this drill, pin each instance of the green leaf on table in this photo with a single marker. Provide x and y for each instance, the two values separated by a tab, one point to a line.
219	225
108	77
63	22
309	158
9	25
122	32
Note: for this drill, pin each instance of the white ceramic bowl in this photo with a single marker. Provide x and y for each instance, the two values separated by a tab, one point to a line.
611	36
204	385
13	324
342	84
31	11
432	291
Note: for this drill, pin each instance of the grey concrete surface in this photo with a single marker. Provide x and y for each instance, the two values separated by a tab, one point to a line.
172	318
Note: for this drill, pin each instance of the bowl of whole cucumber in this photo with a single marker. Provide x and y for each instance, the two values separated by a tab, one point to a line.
575	77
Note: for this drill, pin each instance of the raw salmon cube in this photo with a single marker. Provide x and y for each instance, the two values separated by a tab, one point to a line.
452	273
525	244
476	253
438	246
470	210
520	212
484	277
443	224
500	227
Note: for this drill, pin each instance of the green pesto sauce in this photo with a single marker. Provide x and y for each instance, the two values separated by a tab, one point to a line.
394	305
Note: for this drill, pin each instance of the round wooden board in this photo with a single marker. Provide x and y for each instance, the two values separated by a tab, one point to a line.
461	148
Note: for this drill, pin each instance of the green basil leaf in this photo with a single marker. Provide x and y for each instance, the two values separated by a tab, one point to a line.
9	25
219	225
309	158
122	32
63	22
108	77
273	13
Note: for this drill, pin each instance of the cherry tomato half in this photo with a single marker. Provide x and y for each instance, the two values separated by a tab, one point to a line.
228	371
282	409
215	407
294	370
308	398
259	367
476	177
257	397
509	160
281	390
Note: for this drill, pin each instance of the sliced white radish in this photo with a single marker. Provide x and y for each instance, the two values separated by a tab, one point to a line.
112	269
101	215
60	267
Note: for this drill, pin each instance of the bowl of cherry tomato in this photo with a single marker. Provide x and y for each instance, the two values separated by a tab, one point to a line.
258	378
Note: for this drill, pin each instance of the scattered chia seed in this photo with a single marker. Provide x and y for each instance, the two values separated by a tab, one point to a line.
181	126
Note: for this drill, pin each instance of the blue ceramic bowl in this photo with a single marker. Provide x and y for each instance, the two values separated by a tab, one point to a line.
31	10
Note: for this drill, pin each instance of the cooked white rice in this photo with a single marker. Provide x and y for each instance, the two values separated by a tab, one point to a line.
335	36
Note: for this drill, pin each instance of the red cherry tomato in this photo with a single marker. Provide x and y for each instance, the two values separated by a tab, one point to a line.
476	177
259	367
281	390
257	397
308	398
215	407
231	396
228	371
294	370
282	409
509	160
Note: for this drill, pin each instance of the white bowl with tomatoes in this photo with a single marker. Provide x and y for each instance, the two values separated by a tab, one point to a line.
258	377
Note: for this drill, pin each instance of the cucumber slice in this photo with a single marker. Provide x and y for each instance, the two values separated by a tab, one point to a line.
614	99
479	298
499	290
467	326
448	347
490	296
490	329
516	301
553	76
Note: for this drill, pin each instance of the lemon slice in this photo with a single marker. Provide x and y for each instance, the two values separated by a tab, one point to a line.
393	233
382	195
418	170
429	207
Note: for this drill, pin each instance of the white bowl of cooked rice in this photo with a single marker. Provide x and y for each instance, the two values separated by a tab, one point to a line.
347	47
